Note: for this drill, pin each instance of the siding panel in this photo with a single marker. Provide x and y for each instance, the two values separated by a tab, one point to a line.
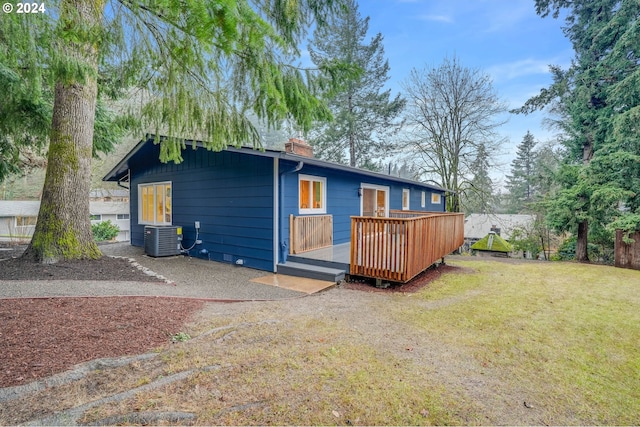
342	197
229	193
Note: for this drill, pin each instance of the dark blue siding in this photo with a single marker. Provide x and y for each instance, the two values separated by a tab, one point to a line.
342	197
231	194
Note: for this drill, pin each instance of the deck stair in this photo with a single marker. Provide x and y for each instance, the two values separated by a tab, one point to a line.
312	269
319	262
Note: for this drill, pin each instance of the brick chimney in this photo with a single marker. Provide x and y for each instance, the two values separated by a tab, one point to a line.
299	147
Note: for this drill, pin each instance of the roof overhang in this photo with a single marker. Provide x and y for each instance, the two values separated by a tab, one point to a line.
145	148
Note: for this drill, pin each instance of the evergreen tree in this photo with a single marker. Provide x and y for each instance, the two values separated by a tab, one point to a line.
365	116
198	66
521	182
478	196
598	98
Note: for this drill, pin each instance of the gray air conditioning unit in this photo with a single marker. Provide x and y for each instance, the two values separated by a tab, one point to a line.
162	240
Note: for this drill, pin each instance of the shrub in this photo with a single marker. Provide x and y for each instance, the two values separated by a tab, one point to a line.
104	230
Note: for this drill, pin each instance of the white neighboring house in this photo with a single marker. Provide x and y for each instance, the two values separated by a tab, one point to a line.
18	218
477	226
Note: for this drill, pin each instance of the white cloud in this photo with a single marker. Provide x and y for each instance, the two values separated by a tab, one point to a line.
520	68
437	18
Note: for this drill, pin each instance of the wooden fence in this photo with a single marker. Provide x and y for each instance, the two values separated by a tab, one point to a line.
627	255
398	249
310	232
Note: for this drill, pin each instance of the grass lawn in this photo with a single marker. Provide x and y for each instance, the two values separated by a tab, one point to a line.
568	334
489	343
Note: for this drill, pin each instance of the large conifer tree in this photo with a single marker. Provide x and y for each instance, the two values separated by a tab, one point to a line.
478	195
365	116
521	181
599	100
196	66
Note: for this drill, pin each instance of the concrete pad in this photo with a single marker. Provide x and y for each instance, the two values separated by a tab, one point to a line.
300	284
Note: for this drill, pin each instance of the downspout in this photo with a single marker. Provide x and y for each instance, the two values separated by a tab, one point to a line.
284	241
276	210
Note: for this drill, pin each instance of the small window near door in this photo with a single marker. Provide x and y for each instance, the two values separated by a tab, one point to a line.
312	196
405	199
435	199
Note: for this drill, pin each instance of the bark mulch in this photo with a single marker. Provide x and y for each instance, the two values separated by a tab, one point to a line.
43	337
40	337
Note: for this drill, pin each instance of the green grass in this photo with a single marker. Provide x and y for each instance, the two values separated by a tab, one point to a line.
569	334
468	349
303	376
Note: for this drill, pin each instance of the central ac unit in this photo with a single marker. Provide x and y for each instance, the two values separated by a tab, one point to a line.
162	240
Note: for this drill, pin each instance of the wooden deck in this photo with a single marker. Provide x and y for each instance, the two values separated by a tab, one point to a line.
398	249
336	253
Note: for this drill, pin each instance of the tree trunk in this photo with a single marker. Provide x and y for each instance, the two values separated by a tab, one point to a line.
63	230
582	253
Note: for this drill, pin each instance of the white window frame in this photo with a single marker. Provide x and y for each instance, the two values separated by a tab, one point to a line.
122	217
96	217
23	219
423	200
407	199
323	194
436	198
155	221
387	191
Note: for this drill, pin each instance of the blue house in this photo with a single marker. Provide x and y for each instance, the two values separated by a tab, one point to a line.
251	204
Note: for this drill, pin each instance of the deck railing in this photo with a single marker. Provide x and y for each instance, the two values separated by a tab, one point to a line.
310	232
410	214
398	249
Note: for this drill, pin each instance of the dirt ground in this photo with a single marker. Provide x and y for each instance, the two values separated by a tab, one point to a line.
40	337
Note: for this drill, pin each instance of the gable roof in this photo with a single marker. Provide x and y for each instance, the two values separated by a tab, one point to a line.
144	149
492	242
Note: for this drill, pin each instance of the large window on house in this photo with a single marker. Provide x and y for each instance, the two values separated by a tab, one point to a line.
312	194
154	203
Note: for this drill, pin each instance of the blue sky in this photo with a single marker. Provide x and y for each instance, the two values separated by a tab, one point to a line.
503	38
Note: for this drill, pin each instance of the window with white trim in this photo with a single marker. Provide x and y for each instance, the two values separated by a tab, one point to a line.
405	199
435	199
96	217
312	194
154	203
24	221
122	216
423	200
